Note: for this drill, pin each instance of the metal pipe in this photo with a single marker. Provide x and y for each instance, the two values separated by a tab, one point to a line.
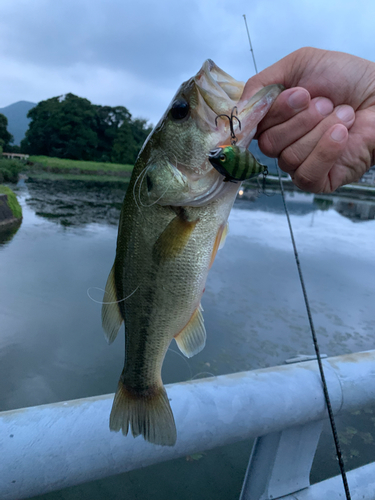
46	448
361	482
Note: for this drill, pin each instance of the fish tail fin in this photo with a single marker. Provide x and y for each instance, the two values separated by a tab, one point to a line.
148	415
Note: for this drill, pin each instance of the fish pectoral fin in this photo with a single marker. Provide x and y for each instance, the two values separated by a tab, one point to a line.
111	315
173	239
192	338
219	241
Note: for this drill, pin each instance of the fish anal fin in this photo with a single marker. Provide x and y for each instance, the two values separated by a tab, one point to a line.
192	338
173	239
219	241
111	315
149	415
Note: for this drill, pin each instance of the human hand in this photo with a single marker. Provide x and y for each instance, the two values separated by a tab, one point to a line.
323	131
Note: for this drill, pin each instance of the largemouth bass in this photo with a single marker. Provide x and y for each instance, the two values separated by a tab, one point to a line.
173	220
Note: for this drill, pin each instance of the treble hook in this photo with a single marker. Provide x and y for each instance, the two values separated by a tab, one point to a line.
230	118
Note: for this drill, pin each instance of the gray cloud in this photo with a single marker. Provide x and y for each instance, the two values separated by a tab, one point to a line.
137	53
134	36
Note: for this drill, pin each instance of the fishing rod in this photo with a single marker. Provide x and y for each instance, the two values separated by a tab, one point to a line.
312	328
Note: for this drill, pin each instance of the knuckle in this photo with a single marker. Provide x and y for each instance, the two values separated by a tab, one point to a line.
291	157
268	144
307	182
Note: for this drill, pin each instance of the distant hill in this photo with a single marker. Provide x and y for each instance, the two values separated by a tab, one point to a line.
18	122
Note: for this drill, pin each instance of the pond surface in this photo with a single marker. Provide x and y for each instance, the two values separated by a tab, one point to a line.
52	347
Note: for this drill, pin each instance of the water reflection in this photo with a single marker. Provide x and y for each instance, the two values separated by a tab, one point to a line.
298	203
52	347
7	232
352	208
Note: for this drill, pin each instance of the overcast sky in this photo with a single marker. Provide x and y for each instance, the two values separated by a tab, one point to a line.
136	53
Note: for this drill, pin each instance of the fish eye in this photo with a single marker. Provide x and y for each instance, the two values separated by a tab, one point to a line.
180	109
222	157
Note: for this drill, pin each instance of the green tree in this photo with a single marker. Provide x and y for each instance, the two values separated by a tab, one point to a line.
108	121
62	126
5	136
71	127
129	140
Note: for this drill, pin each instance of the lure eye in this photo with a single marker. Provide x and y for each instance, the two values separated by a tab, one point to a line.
180	109
222	157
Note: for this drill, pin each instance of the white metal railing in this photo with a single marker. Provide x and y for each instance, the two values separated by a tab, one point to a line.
54	446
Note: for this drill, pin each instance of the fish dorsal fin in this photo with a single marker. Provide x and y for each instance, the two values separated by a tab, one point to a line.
111	315
192	338
219	241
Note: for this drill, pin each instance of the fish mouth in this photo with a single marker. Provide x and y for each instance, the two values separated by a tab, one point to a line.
222	93
219	90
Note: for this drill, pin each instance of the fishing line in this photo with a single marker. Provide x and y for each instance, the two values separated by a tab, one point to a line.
315	340
160	197
135	196
203	373
192	377
262	188
185	360
143	175
101	302
140	176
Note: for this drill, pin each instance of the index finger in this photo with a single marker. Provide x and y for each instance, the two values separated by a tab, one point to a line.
273	74
288	104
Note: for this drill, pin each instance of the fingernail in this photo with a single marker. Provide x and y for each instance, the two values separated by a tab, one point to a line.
324	106
299	99
339	133
345	113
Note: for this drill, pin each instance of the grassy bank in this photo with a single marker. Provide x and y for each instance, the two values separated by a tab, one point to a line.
12	201
49	176
9	169
37	164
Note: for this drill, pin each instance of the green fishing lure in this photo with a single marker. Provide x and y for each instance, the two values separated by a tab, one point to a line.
235	163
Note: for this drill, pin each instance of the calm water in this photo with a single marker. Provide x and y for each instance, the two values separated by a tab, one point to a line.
52	347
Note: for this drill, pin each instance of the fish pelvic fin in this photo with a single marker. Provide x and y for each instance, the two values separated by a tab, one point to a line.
224	236
219	241
111	315
192	338
148	414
